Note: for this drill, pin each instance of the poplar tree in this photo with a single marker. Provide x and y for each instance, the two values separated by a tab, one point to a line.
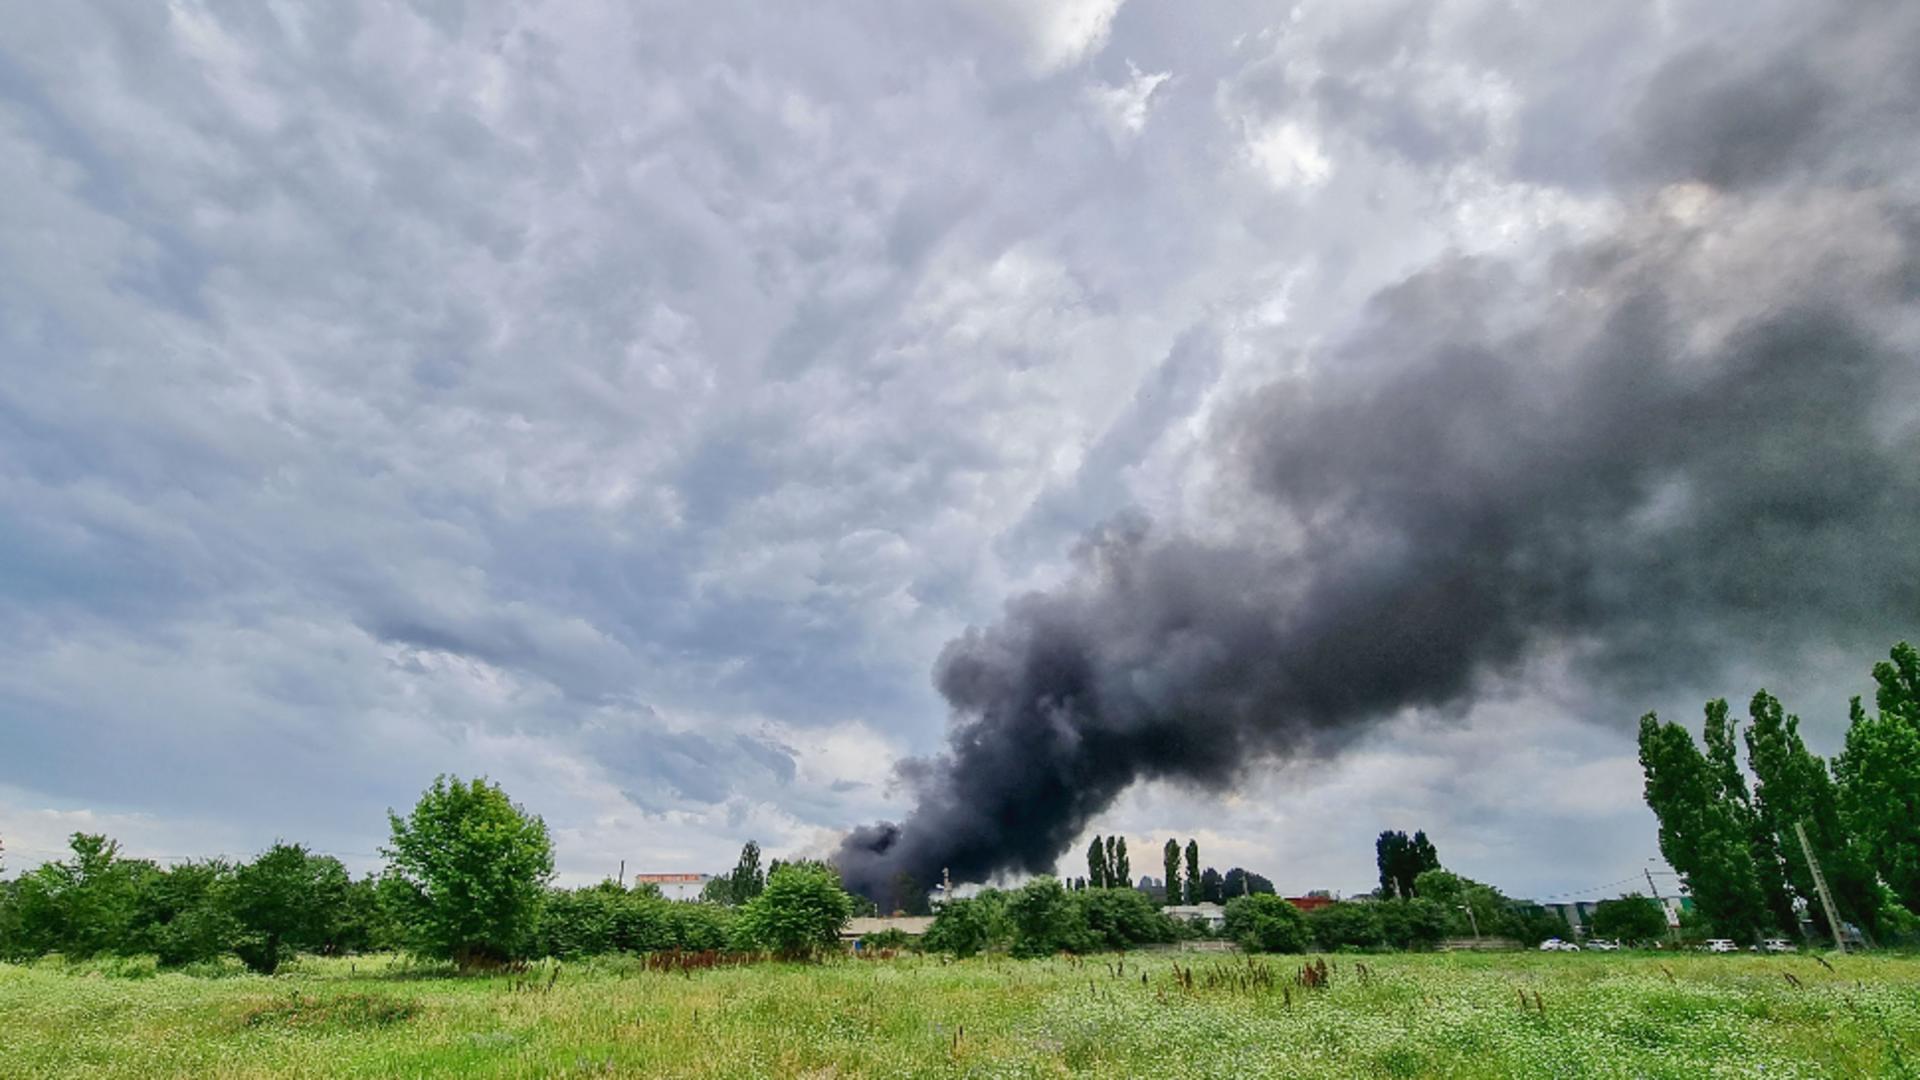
1097	864
1795	786
1701	835
1879	776
1172	864
1121	868
1193	871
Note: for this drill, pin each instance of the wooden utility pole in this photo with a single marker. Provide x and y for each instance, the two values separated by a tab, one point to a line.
623	873
1820	884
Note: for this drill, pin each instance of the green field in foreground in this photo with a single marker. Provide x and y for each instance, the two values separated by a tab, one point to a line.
1409	1015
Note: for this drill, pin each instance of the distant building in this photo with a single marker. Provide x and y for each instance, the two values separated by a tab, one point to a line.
675	886
1313	901
857	931
1213	915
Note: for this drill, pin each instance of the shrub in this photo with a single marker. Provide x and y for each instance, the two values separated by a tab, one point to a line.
1266	923
286	901
799	913
1348	925
1044	919
473	868
1119	919
968	927
1418	923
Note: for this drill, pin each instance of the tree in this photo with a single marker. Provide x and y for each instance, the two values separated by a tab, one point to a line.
1266	923
1763	842
1210	883
798	915
1630	918
1120	871
1042	918
1347	925
1878	774
1419	923
286	901
963	927
1701	834
1193	872
1242	882
1401	859
83	906
1171	860
1119	919
1796	787
477	865
180	914
1097	864
747	880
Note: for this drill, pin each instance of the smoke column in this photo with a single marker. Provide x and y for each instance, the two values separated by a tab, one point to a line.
1692	439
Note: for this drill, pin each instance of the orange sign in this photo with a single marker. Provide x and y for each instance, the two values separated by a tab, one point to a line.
669	879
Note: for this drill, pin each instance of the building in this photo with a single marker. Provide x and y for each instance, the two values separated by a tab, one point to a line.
858	930
1213	915
675	886
1313	901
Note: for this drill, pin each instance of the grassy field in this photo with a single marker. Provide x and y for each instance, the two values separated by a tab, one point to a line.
1426	1015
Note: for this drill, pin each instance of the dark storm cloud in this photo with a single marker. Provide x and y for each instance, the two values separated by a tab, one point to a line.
1687	441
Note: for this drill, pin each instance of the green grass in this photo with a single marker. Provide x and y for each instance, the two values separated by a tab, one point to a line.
1427	1015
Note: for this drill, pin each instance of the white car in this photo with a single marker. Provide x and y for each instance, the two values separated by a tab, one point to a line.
1603	945
1776	944
1556	945
1720	944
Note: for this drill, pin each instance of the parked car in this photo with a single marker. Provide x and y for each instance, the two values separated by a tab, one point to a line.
1776	944
1603	945
1720	944
1556	945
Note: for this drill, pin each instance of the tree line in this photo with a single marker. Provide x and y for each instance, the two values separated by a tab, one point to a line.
1747	851
468	878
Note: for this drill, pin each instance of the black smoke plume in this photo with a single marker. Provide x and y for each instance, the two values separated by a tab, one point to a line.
1695	438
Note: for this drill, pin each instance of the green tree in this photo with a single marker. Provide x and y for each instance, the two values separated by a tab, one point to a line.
1266	923
1348	925
477	865
1043	919
1120	919
181	914
82	906
962	928
1243	882
1193	872
1701	835
747	879
1210	886
1763	841
1119	870
799	914
1401	859
1630	918
1171	862
286	901
1879	776
1097	863
1419	923
1795	786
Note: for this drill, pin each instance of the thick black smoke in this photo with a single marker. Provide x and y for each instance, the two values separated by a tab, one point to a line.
1698	438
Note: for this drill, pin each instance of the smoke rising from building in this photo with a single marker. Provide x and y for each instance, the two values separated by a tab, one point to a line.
1693	438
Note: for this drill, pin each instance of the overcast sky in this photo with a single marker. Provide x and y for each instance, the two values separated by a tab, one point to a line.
627	401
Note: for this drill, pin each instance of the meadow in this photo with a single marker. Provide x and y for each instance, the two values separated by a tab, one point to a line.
1143	1014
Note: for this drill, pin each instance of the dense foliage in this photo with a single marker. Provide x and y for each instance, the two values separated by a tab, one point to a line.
1266	923
1745	853
1633	919
798	915
478	866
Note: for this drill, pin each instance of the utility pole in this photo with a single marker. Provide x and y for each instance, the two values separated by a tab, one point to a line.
1820	883
623	873
1673	932
1475	923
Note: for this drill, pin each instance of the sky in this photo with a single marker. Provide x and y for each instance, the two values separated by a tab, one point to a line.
630	402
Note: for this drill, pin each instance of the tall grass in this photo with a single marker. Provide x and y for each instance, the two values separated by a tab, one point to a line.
1425	1015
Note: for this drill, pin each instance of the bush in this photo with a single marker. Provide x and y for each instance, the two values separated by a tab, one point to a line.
799	914
1119	919
473	868
284	902
1348	925
969	927
1418	923
1044	919
1266	923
